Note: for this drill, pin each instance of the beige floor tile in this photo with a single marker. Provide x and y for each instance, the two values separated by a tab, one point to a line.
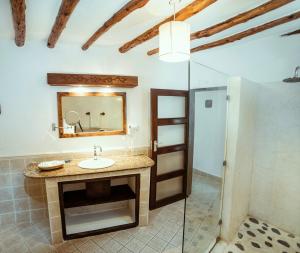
177	239
112	246
78	242
101	239
65	247
42	248
125	250
18	247
11	239
143	236
166	234
157	244
123	237
147	249
90	247
135	245
173	249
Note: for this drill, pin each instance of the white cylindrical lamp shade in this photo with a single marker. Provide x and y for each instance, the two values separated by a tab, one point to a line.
174	41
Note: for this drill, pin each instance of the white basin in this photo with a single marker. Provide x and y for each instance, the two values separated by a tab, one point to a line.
92	164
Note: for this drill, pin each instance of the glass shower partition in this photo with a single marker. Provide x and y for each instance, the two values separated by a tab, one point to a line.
203	204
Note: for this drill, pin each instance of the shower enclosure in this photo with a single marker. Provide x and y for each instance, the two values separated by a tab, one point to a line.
253	205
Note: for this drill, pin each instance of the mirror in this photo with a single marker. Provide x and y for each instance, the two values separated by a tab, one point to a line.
91	114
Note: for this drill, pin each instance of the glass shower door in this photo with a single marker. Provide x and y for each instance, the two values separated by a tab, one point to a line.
204	202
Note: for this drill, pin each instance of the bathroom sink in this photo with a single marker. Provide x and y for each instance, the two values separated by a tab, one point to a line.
99	163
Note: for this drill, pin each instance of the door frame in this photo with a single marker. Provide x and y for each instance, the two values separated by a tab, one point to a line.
155	123
192	95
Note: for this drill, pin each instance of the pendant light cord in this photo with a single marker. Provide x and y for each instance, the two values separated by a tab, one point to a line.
174	11
173	2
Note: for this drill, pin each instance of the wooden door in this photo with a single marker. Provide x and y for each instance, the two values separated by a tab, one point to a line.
169	142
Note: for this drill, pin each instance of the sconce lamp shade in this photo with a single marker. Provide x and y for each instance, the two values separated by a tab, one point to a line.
174	41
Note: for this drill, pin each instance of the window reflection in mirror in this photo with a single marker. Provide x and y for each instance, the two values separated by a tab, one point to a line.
91	114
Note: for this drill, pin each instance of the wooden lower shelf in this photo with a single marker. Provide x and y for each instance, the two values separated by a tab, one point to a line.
86	212
82	223
79	198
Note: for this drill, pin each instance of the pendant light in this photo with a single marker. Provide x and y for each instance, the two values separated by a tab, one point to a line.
174	39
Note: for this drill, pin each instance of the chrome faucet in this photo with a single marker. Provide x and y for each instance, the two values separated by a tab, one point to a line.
95	151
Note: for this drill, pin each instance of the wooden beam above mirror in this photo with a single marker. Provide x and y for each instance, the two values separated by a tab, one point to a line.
91	80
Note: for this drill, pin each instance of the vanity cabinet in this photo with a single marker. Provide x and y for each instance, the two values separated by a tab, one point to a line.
96	206
83	202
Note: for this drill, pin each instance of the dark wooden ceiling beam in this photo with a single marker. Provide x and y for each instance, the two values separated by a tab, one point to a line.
64	13
18	8
236	20
91	80
116	18
248	32
291	33
185	13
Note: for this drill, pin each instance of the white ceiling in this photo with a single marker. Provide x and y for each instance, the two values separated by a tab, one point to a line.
89	15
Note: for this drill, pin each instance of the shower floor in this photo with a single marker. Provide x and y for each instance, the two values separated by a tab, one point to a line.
202	214
256	236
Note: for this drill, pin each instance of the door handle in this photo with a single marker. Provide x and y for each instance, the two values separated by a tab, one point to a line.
155	146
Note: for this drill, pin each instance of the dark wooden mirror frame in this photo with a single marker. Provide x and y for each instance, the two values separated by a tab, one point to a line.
60	95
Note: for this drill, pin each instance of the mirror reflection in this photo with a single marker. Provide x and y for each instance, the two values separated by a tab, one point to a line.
88	114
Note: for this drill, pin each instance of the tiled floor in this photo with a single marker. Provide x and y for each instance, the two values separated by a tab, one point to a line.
255	236
164	233
202	214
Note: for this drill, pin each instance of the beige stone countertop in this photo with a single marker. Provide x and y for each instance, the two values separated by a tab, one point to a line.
72	168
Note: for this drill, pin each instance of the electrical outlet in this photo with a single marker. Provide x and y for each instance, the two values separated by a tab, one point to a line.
132	129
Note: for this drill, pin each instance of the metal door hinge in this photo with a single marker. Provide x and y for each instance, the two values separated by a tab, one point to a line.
224	163
227	97
220	222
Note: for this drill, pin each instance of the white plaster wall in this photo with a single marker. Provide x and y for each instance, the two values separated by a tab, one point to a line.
202	76
239	148
275	193
267	59
209	133
29	104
